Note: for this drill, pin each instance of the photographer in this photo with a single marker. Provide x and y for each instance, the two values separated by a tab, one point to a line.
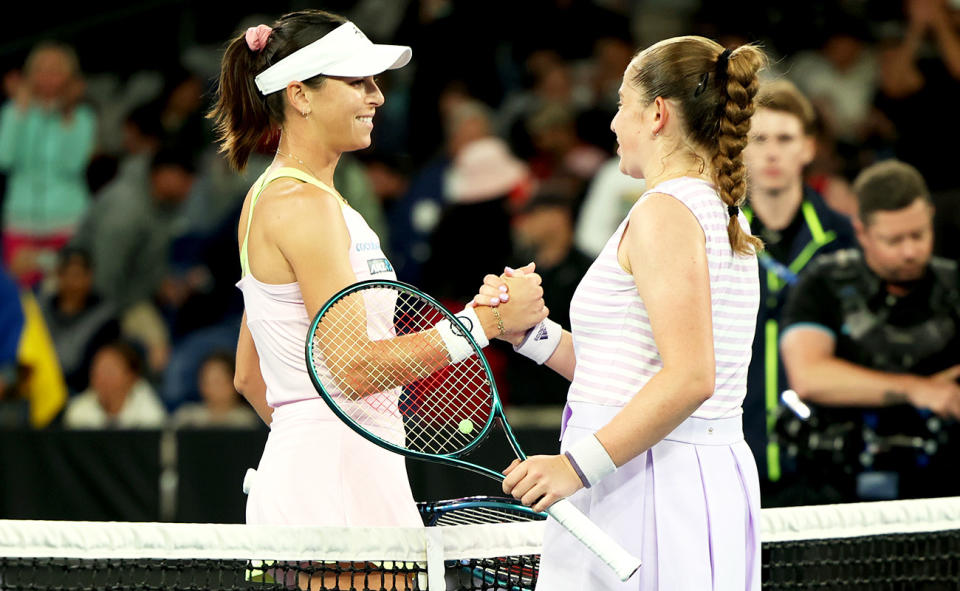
872	341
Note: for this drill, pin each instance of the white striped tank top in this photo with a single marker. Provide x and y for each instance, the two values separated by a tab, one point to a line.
612	338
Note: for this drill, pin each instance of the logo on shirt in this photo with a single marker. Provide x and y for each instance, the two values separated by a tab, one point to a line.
367	246
379	266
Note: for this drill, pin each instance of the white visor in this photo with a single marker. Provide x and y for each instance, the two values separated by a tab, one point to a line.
344	51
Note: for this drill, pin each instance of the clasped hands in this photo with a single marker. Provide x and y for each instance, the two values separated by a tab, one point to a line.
518	299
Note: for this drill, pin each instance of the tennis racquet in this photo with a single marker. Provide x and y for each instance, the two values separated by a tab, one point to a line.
476	511
375	356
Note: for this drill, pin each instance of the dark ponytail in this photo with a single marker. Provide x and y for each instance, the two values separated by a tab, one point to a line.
716	107
242	116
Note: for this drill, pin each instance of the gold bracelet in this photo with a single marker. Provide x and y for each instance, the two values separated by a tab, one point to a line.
500	328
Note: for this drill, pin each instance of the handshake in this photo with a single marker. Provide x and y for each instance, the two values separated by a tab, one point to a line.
509	305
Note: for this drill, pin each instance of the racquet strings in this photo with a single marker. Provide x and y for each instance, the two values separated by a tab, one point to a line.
484	514
379	359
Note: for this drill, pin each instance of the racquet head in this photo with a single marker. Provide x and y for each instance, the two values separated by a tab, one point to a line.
477	510
375	356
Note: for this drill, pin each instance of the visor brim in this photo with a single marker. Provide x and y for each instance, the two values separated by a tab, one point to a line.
371	61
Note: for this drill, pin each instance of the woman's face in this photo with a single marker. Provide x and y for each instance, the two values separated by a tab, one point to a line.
112	379
216	384
629	126
342	111
49	73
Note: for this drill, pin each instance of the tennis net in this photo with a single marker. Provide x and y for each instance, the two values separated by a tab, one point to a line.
39	555
897	545
885	545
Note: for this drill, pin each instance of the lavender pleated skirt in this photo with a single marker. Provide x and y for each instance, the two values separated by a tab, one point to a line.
689	508
317	471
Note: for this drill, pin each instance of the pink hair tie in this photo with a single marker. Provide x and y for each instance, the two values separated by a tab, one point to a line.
257	37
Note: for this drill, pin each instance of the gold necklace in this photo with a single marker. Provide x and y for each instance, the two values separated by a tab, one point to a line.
302	163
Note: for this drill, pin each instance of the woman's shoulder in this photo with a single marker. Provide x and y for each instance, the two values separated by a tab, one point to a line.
290	201
658	213
289	213
664	200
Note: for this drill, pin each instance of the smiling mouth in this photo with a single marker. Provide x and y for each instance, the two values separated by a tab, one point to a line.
366	119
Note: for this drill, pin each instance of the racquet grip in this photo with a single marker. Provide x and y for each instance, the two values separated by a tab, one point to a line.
594	538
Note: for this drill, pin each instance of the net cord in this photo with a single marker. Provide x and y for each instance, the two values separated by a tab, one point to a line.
859	519
182	541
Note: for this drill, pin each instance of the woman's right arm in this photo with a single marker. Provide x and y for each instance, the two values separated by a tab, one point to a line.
248	380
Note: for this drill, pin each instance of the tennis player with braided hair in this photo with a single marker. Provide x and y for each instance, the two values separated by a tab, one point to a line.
310	75
652	442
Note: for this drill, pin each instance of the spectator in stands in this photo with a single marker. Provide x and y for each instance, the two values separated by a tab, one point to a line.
871	341
142	138
795	225
840	77
118	396
416	214
80	321
543	233
549	81
32	390
11	325
222	405
919	76
558	150
129	234
478	188
46	141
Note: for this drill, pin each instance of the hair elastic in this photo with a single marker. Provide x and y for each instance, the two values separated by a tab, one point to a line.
257	37
722	60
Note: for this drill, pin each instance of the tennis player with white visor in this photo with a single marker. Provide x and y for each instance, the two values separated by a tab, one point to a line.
311	76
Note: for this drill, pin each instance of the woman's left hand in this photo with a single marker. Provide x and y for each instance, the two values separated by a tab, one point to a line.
540	481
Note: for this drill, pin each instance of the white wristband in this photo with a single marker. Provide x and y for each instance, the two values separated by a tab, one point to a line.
541	341
590	460
458	347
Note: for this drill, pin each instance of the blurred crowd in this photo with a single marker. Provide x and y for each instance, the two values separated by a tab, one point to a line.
117	299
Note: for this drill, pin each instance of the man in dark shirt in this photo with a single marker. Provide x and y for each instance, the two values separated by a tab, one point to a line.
795	225
872	341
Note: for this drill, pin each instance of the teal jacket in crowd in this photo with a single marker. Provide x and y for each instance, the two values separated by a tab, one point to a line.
45	157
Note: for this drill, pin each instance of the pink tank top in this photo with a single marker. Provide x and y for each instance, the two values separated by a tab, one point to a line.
614	345
276	314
